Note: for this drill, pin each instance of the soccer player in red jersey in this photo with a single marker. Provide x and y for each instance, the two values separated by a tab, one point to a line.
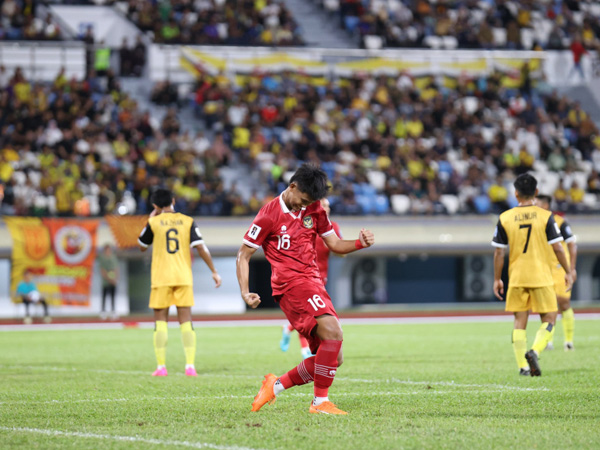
286	228
323	264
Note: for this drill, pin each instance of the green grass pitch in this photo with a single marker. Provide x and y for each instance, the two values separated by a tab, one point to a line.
404	386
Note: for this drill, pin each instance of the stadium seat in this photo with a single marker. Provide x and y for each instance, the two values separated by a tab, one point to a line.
499	36
351	23
400	203
527	38
450	42
450	202
482	204
365	203
382	204
377	179
590	200
373	42
434	42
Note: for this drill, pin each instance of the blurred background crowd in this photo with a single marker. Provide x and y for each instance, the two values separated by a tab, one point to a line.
390	144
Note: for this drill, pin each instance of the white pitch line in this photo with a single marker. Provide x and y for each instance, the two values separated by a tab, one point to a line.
444	383
122	438
247	397
278	322
352	380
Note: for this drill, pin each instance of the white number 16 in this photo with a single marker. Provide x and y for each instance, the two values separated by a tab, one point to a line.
316	302
283	242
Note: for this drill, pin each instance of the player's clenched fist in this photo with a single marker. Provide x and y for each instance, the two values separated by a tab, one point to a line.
251	299
367	238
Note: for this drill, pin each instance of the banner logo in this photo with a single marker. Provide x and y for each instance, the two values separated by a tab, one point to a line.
37	241
72	244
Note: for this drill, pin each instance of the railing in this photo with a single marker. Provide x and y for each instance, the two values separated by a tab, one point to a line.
41	61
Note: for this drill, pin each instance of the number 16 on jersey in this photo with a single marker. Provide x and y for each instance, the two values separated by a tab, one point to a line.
316	302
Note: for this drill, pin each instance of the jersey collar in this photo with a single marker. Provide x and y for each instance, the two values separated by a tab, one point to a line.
286	210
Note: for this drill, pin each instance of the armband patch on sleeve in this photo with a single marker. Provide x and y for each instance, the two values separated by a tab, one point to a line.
254	231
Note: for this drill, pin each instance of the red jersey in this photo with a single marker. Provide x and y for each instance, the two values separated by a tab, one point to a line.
323	253
288	240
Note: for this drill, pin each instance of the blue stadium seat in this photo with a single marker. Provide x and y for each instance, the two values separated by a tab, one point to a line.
382	204
482	204
365	203
351	23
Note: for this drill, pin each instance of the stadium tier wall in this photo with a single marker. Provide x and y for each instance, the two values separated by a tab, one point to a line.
415	261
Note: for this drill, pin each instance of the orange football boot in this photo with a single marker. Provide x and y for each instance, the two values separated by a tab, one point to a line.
326	408
266	394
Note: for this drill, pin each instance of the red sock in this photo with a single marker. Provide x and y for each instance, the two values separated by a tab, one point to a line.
326	365
299	375
290	328
303	341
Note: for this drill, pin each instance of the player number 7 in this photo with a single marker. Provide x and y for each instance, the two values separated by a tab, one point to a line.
528	226
316	302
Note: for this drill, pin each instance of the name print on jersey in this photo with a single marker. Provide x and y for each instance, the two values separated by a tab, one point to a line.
525	216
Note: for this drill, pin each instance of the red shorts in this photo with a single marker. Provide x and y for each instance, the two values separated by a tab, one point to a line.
301	304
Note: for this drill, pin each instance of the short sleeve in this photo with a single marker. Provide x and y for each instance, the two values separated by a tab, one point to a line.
324	225
552	231
146	236
195	236
500	239
567	233
258	231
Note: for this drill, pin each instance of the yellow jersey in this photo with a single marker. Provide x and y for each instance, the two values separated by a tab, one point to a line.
527	231
568	236
172	236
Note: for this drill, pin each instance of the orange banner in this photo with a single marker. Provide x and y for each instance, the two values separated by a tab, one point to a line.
59	252
126	229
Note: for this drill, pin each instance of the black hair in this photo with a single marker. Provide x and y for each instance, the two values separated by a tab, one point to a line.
162	198
311	181
545	198
526	185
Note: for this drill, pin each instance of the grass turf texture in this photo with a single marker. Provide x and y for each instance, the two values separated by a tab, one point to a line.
405	386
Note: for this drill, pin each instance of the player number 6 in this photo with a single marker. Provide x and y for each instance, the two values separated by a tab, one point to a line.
316	302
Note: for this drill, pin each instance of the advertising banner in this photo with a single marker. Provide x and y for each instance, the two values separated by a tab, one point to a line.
59	253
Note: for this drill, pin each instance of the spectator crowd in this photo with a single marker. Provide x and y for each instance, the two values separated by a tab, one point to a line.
18	21
84	147
217	22
474	24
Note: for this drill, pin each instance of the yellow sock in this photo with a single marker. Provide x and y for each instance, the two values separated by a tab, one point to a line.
161	336
188	336
519	342
542	337
568	322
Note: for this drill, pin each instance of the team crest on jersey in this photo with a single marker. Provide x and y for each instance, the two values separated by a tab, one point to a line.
308	222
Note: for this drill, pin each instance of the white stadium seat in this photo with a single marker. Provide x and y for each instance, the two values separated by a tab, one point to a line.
450	202
400	204
376	179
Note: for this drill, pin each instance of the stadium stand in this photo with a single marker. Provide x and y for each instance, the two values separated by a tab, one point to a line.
242	23
473	24
20	20
389	145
